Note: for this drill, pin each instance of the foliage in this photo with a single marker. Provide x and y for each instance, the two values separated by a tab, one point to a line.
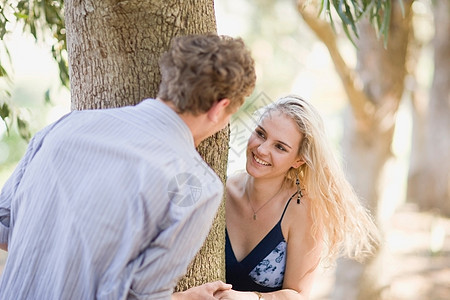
37	18
351	11
9	113
41	19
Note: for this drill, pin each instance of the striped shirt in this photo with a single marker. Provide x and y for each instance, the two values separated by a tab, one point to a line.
106	204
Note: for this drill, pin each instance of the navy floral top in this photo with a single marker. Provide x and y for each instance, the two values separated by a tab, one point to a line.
263	268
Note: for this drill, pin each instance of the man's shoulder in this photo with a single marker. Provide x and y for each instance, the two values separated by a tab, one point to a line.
192	163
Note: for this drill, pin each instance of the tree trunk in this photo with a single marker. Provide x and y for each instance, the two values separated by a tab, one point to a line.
429	182
114	46
417	163
209	264
113	49
367	143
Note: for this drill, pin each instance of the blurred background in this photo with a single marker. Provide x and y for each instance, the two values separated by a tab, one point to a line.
386	109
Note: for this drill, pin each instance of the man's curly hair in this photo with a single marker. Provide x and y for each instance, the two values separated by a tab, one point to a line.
199	70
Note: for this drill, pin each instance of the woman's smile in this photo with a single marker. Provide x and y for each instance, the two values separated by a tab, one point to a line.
260	161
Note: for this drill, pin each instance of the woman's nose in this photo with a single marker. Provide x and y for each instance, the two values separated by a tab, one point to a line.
263	148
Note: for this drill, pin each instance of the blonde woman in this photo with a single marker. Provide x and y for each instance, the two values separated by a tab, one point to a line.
292	209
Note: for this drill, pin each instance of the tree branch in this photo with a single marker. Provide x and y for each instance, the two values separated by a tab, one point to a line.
361	105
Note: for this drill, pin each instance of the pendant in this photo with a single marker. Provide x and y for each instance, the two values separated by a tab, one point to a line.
254	217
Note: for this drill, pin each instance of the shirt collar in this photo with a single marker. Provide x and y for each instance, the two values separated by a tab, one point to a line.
168	116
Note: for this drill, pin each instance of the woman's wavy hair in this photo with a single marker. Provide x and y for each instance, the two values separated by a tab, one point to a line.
199	70
339	218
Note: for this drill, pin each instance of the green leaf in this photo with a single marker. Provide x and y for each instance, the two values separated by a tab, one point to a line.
350	12
47	96
341	14
386	23
3	72
324	4
33	30
349	36
331	21
6	114
24	129
19	15
63	72
349	15
4	111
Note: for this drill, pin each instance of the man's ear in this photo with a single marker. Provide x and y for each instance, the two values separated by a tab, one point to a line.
218	109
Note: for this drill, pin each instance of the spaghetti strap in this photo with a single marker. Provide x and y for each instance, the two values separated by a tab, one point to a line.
287	205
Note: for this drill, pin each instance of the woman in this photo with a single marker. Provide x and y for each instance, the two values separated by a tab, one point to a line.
292	208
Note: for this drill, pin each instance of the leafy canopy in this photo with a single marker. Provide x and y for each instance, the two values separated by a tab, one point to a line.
351	11
44	18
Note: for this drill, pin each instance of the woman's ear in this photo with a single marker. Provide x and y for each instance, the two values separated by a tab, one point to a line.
218	109
298	162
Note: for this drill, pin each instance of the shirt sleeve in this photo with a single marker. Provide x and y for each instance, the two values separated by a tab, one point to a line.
10	187
166	259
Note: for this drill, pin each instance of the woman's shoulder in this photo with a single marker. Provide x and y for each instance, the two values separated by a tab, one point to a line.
236	185
298	216
236	181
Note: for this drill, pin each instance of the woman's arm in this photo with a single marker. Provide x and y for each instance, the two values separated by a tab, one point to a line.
303	251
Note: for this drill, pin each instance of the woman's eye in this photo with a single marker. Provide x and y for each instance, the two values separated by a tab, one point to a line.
260	133
281	147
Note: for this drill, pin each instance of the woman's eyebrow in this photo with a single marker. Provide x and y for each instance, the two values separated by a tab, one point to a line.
262	128
284	144
278	141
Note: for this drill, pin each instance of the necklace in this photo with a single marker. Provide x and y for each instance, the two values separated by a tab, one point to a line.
250	201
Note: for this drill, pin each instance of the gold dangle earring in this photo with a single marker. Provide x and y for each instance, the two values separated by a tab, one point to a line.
299	190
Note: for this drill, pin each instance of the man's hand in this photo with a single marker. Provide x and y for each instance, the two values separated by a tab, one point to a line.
205	291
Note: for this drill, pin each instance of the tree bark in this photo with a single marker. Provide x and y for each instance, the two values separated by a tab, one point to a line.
209	264
114	48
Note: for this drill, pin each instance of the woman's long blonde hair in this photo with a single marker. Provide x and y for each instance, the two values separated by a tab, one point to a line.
339	218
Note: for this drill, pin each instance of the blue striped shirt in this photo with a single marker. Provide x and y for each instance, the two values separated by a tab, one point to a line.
106	204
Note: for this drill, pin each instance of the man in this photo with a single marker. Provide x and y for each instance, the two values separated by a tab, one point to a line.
115	203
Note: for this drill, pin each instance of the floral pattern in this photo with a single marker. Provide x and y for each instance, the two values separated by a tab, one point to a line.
270	271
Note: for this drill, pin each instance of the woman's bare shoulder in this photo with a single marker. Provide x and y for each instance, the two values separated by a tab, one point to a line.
236	181
298	220
236	185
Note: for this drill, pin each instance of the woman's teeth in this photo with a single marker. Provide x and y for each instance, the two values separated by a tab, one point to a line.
259	161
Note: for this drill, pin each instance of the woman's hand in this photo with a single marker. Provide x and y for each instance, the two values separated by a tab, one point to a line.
235	295
205	291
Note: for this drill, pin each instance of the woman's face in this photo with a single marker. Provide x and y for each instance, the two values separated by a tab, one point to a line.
273	147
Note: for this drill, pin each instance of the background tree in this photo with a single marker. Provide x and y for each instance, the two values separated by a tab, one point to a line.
429	175
374	89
